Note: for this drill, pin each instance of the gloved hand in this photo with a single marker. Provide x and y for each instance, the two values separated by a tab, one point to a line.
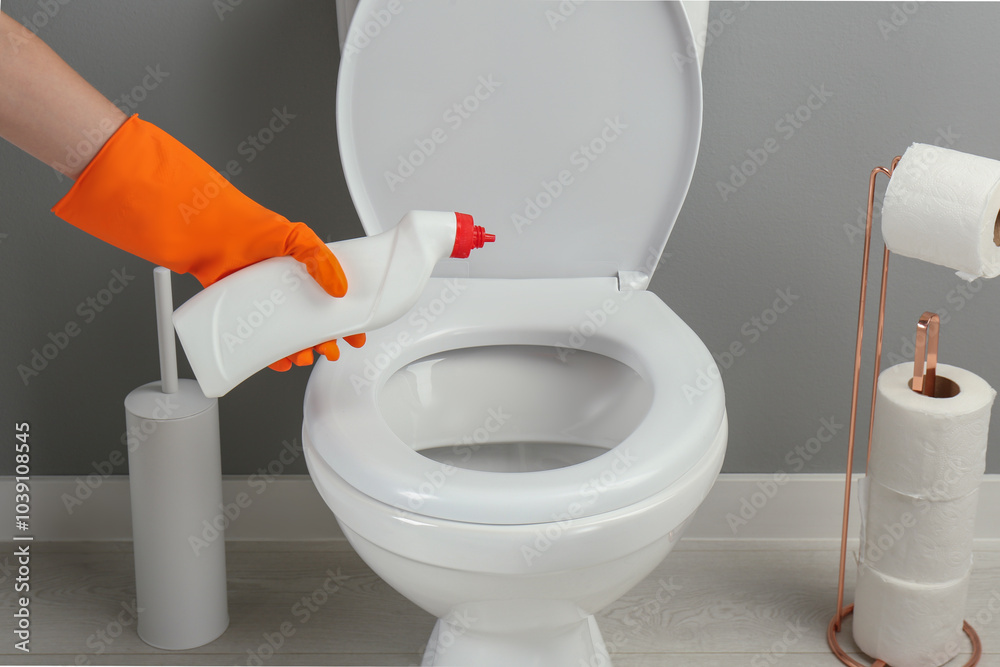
149	195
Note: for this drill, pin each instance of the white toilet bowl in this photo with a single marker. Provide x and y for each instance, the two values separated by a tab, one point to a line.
530	440
437	449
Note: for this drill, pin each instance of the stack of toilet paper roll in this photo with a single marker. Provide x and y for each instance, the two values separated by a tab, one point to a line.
928	455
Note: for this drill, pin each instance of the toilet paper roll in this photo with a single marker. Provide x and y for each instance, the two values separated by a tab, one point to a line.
941	206
907	624
916	539
178	522
926	447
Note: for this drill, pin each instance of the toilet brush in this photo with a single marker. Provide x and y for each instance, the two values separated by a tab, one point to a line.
175	482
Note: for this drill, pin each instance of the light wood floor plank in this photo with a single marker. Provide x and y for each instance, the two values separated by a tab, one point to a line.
707	607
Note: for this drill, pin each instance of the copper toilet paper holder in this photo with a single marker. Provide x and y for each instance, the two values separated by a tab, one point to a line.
924	381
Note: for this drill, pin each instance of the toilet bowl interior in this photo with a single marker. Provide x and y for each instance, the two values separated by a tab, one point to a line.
514	408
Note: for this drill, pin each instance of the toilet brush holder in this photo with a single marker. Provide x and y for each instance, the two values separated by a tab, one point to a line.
923	382
175	482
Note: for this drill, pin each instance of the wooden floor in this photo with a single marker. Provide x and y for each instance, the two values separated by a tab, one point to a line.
730	603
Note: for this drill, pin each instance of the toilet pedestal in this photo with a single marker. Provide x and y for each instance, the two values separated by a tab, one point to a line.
456	640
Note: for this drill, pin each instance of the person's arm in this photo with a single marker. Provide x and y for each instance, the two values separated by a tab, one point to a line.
46	108
134	182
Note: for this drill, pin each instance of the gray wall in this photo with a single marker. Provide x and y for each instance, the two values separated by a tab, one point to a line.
890	74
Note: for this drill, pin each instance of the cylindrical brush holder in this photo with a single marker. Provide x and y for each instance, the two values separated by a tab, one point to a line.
175	478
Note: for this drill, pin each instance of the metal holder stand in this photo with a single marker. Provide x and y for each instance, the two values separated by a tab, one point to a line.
923	382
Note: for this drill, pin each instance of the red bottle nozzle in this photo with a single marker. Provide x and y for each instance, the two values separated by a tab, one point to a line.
469	235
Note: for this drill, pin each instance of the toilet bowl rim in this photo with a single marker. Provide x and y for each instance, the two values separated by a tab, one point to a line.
641	349
498	548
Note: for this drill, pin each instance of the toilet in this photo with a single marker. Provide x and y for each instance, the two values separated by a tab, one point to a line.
531	439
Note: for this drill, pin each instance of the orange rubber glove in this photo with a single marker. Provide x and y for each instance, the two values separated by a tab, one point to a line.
148	194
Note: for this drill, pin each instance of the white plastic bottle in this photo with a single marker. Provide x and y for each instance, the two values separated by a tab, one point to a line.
271	309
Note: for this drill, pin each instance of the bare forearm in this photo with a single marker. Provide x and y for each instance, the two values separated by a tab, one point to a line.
46	108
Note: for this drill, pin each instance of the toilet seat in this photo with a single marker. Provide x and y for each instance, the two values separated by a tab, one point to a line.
571	131
346	429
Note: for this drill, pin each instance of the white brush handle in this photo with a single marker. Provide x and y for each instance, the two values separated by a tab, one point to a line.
165	329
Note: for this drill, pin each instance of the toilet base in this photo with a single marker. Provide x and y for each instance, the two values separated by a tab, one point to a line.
453	642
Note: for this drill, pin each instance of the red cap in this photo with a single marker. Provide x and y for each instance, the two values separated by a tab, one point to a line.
468	236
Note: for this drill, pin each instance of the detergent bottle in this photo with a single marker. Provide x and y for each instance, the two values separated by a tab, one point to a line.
271	309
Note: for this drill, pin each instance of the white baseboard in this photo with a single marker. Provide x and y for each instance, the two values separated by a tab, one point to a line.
740	506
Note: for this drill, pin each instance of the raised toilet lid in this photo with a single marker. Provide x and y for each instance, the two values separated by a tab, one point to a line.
570	130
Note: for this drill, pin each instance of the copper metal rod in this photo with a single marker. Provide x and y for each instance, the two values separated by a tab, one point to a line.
927	339
881	304
878	352
854	392
831	638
